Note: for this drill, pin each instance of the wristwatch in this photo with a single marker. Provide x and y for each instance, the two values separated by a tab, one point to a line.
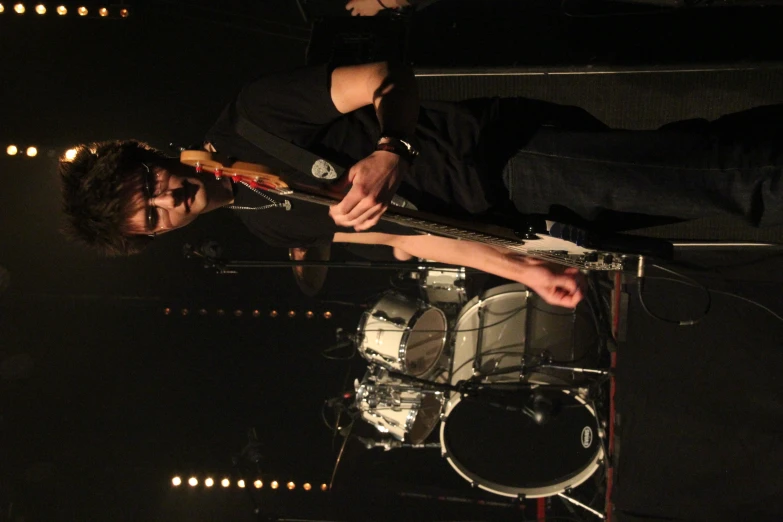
398	146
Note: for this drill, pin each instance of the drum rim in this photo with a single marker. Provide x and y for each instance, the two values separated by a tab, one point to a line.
507	491
401	350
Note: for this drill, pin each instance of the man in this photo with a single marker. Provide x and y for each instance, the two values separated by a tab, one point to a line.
468	158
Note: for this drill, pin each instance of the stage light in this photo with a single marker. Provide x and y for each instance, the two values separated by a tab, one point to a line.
82	11
327	314
176	481
274	485
193	481
307	486
166	311
237	313
256	313
241	483
184	312
309	314
62	10
2	8
19	8
220	312
124	13
103	11
291	314
12	150
291	485
225	483
202	311
31	151
209	482
273	313
70	154
40	9
324	487
258	484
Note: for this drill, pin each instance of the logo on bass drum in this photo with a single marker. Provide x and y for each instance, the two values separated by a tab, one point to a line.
587	437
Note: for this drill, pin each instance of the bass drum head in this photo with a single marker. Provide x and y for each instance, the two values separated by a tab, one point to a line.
501	450
424	342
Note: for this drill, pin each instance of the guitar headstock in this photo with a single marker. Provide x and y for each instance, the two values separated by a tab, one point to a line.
252	173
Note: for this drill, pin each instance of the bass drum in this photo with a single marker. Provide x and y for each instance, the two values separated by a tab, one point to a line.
402	334
500	449
508	325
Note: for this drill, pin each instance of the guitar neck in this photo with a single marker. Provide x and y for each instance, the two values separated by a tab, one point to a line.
438	226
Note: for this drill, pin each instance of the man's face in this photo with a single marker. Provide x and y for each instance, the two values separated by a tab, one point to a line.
174	196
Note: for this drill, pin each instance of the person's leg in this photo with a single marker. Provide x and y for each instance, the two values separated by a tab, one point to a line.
730	166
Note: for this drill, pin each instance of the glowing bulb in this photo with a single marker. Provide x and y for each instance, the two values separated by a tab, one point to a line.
70	154
82	11
103	11
291	314
40	9
324	487
273	313
176	481
31	151
2	8
241	483
258	484
237	313
209	483
256	313
309	314
327	315
124	13
307	486
274	484
62	10
291	485
19	8
225	483
12	150
193	481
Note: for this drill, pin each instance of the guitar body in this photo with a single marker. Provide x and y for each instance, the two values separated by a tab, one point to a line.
550	241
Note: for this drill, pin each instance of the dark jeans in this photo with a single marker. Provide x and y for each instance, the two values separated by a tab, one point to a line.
684	170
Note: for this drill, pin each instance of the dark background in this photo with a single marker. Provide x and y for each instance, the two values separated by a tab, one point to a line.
103	395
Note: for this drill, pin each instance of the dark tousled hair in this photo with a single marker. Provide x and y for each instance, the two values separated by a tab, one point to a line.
100	187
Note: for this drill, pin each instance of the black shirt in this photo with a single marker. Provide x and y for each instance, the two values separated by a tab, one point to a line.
454	172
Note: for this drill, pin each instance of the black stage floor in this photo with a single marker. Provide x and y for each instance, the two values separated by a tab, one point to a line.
700	408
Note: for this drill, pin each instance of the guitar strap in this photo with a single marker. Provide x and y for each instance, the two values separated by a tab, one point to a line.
298	158
304	162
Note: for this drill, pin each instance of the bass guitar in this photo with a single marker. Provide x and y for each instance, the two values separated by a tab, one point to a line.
558	243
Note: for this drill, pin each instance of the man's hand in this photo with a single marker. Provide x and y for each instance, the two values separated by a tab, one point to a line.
365	7
555	284
374	181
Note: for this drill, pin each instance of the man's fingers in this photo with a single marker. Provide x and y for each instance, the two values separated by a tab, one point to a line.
371	217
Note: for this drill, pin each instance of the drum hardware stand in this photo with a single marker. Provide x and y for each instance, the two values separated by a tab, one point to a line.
583	506
388	444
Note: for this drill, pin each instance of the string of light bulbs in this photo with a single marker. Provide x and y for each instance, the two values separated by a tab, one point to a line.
225	482
116	11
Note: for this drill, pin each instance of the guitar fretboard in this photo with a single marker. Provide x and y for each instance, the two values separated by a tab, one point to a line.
545	247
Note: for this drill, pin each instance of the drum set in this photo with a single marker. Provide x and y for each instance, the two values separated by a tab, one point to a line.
507	377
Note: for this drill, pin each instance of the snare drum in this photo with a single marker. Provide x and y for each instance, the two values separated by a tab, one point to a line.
403	335
502	450
403	410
